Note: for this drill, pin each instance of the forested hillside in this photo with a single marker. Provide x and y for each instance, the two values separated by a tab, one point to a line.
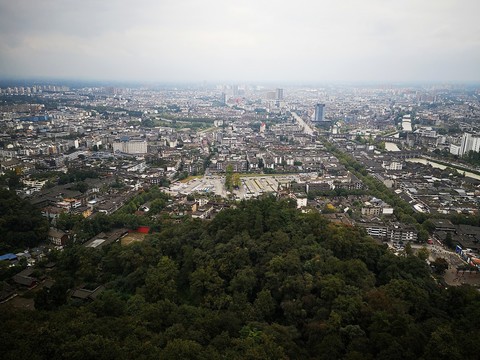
262	281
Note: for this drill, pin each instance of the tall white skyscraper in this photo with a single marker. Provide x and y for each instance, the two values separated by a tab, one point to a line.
469	143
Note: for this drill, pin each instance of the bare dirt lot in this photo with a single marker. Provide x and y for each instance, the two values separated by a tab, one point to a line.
131	238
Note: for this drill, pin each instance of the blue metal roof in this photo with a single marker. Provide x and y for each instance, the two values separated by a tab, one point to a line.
9	256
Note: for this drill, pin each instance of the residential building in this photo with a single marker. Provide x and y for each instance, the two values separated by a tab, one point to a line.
130	146
469	143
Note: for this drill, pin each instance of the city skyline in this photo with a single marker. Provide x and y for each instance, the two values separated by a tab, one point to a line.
377	41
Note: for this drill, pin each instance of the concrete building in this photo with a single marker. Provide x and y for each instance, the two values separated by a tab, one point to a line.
278	94
455	149
130	146
319	114
469	143
392	165
407	123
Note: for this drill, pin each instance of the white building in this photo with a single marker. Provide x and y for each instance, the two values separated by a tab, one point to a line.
455	149
301	202
407	123
392	165
469	143
130	146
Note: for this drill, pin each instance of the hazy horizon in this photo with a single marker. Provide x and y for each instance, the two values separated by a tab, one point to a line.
265	85
306	42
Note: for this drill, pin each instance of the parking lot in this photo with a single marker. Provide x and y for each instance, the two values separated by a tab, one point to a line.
251	187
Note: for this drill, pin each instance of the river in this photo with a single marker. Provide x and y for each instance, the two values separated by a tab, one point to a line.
389	146
440	166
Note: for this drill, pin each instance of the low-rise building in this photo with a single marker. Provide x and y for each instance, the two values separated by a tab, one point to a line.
57	237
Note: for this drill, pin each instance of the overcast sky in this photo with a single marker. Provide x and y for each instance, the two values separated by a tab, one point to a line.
248	40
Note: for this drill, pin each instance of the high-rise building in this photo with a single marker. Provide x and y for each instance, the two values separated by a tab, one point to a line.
469	143
235	90
319	112
278	94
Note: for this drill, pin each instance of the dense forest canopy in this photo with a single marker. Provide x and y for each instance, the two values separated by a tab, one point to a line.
21	224
262	281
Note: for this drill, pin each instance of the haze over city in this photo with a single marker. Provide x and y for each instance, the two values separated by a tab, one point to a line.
281	41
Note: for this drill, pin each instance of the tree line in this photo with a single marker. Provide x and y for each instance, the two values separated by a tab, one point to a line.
21	224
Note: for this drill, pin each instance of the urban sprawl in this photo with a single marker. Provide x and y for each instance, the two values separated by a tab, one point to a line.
400	162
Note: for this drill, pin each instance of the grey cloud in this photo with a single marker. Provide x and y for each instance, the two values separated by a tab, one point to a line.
264	40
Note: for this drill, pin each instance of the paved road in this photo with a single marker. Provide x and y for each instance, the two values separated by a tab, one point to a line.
452	276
